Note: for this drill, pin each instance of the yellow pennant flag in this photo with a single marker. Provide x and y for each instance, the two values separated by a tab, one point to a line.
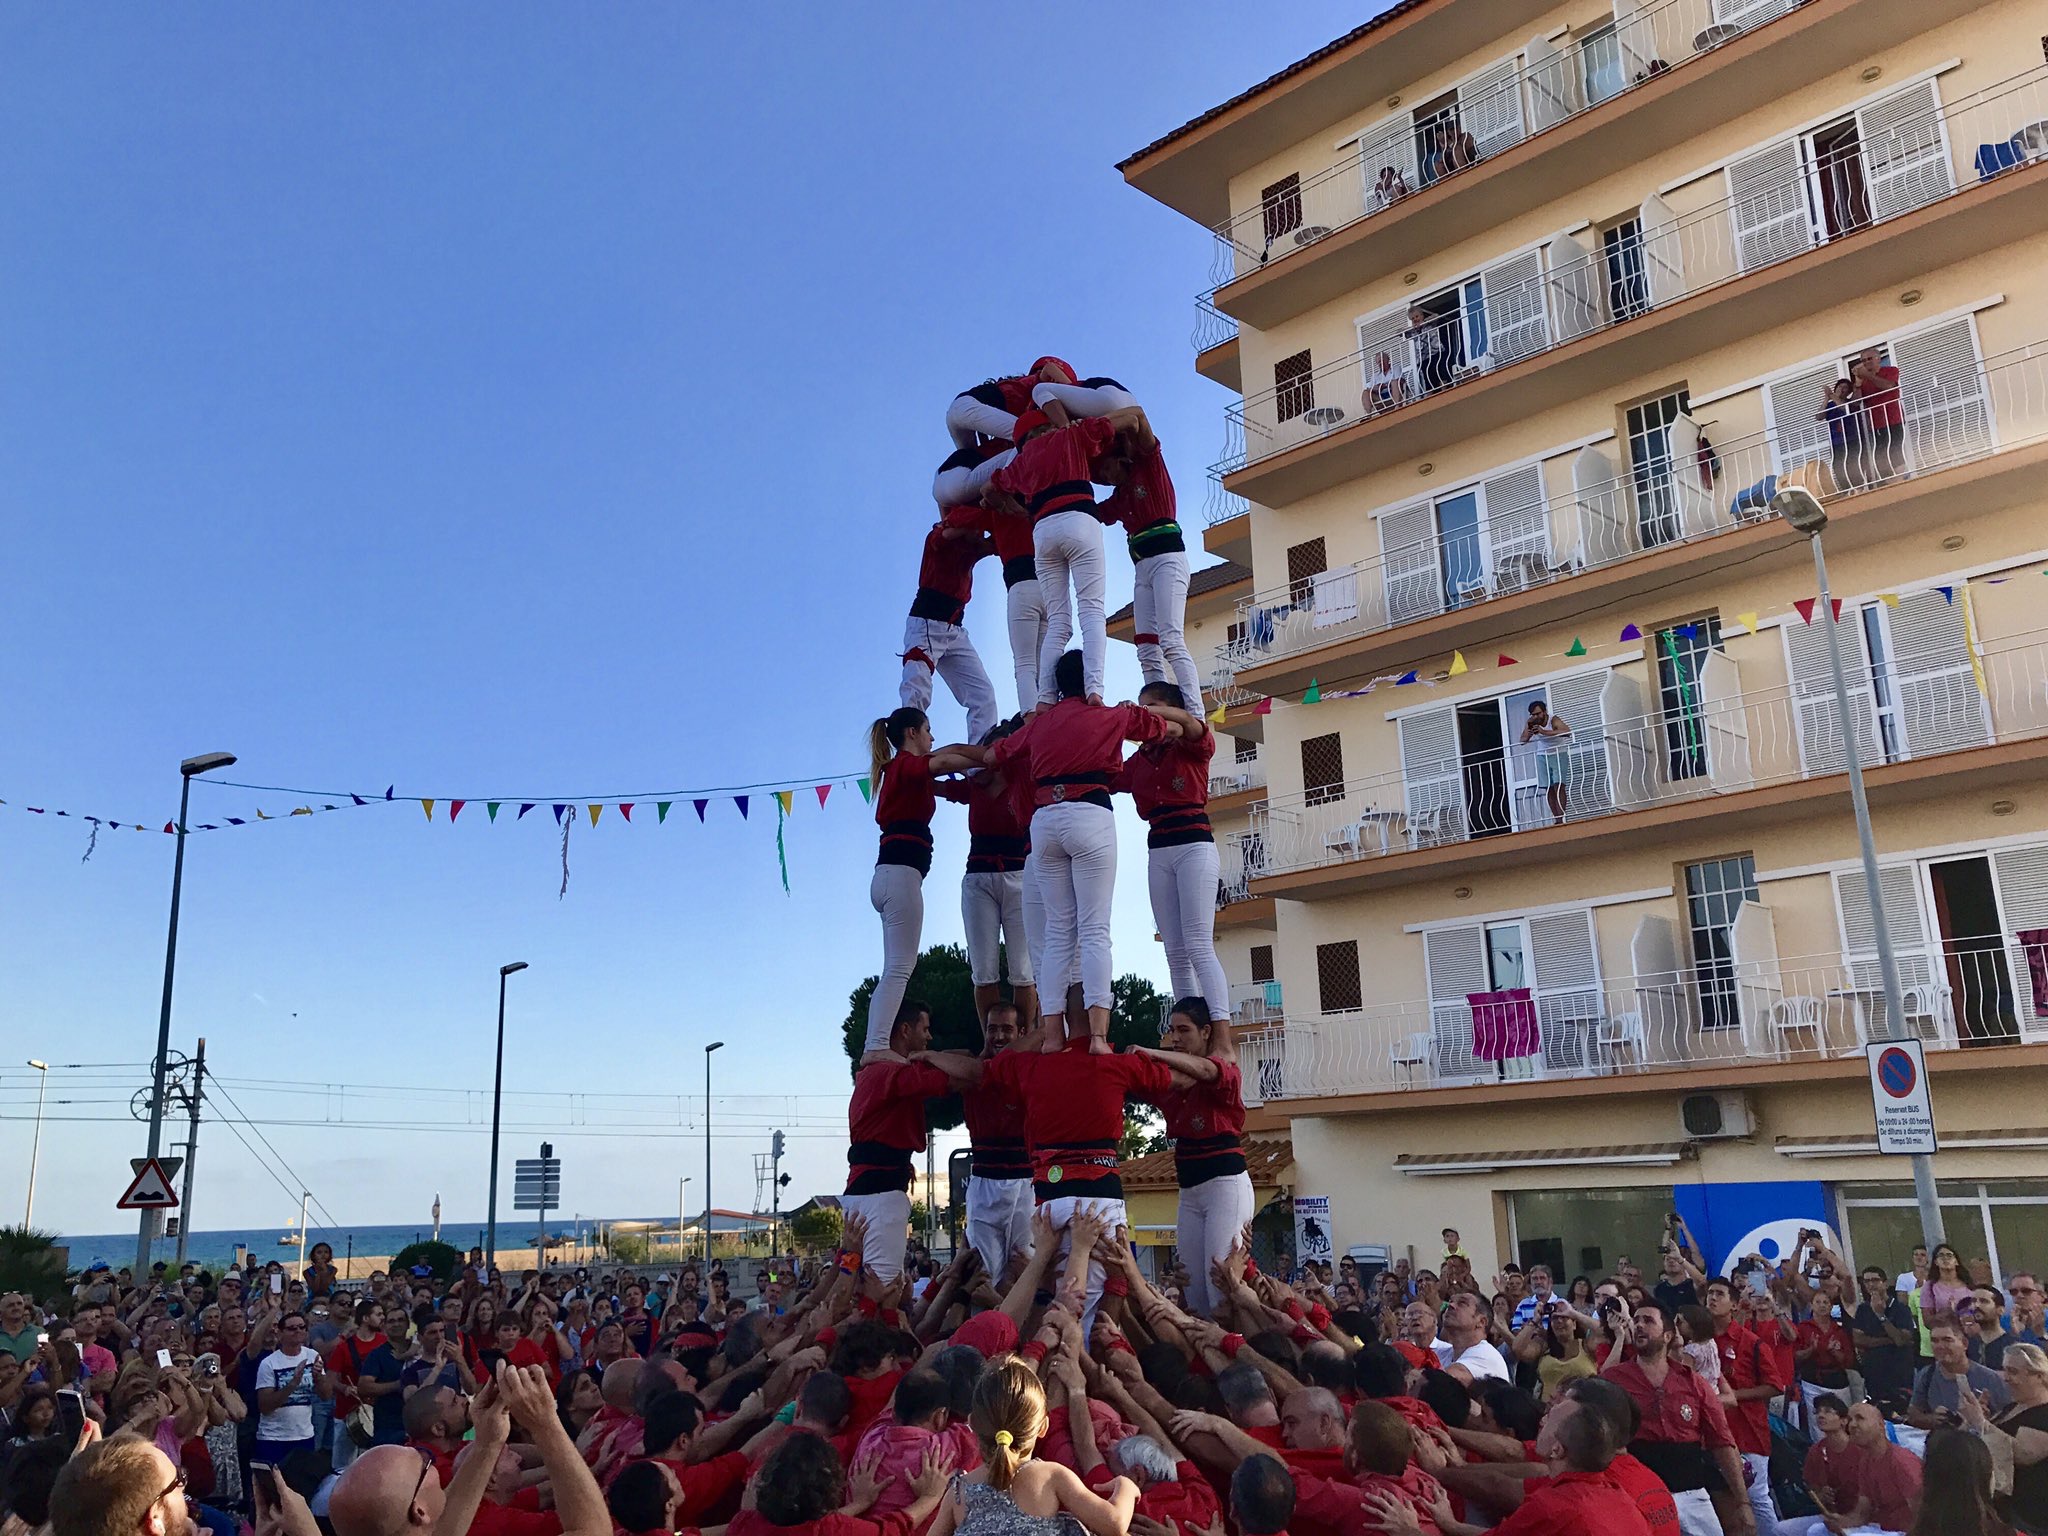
782	797
1889	599
259	814
304	810
1458	667
1747	621
1216	715
428	807
595	811
1970	638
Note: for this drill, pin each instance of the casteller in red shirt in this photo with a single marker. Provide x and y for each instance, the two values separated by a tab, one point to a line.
751	1522
1074	1112
885	1123
1573	1503
945	576
1051	472
1187	1501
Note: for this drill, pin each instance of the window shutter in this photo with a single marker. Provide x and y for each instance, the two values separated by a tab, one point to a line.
1433	781
1695	502
1455	959
1388	145
1576	701
1408	563
1813	692
1637	38
1567	984
1517	523
1606	531
1792	406
1905	161
1748	13
1262	962
1942	392
1555	91
1280	205
1768	193
1939	704
1322	769
1896	884
1490	108
1337	980
1294	386
1663	259
1516	321
1574	286
1386	332
2023	886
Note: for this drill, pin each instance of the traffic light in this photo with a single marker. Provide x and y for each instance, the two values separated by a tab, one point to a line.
776	1144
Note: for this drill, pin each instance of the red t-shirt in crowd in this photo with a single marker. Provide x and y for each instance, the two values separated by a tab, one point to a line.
885	1123
1011	532
1188	1502
1890	1478
509	1520
907	792
1748	1361
1684	1411
1075	740
705	1483
1880	404
1050	473
1833	1350
871	1395
1074	1112
995	1132
751	1522
444	1461
998	822
1572	1503
1653	1500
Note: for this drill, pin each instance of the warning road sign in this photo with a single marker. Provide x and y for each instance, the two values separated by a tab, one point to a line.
1898	1094
150	1191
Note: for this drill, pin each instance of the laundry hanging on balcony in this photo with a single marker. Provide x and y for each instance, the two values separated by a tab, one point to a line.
1504	1024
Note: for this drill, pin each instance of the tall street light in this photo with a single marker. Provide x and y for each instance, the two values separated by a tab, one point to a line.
188	770
497	1102
1803	511
715	1045
682	1213
35	1146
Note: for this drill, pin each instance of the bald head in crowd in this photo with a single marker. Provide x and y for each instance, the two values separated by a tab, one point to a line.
389	1490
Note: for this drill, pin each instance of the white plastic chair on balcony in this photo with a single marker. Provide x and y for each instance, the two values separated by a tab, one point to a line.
1927	1010
1789	1015
1616	1033
1349	840
1428	826
1410	1053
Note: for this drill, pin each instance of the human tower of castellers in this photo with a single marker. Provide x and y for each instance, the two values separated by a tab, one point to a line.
1045	1095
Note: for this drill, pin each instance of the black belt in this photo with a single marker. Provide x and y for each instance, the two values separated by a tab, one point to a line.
1061	496
1198	1159
1680	1467
1085	1169
1173	826
990	854
1020	569
1002	1158
1159	539
939	607
908	843
875	1168
1093	788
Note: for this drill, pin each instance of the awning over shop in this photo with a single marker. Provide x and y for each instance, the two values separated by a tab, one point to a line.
2022	1139
1649	1154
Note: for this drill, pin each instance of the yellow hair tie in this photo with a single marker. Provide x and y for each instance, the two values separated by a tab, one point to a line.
1005	1439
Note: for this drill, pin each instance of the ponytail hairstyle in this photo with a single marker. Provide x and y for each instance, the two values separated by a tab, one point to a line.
885	739
1068	678
1008	1418
1163	692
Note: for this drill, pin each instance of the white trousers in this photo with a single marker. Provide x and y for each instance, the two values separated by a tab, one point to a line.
1074	845
1032	895
1159	608
992	913
1696	1515
930	646
1212	1214
897	893
1070	576
1759	1491
888	1219
967	416
1027	639
1183	881
959	485
1082	401
1813	1525
1060	1213
998	1221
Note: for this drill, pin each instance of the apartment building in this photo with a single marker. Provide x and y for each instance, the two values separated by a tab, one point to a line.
1526	309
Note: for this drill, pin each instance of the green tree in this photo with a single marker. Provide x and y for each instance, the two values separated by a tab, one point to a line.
629	1248
31	1262
442	1258
817	1230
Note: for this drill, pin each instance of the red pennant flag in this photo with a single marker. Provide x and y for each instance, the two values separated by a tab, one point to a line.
1805	607
455	808
1835	607
626	810
168	827
1263	707
823	791
1505	660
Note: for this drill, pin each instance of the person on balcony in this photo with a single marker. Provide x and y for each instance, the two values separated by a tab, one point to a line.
1169	782
1205	1117
1389	189
1554	762
989	411
1142	500
1386	386
901	766
1432	343
935	642
1845	434
1883	421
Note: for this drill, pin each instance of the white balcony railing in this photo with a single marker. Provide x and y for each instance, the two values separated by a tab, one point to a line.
1520	537
1255	1004
1242	859
1722	1011
1537	301
1618	759
1493	114
1236	778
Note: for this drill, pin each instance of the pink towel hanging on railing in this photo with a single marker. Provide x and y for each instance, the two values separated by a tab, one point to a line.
2035	942
1504	1025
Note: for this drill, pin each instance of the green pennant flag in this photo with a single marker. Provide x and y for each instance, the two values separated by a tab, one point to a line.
1578	647
867	790
781	855
661	811
491	808
1314	694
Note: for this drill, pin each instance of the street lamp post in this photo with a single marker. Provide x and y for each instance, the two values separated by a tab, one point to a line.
713	1046
682	1213
188	770
497	1103
35	1146
1803	511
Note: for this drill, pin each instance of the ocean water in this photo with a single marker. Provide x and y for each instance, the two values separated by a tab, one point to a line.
214	1250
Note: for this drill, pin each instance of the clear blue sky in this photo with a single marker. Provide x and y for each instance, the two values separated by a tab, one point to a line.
526	400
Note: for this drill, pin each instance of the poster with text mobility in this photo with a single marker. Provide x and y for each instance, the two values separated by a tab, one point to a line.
1313	1241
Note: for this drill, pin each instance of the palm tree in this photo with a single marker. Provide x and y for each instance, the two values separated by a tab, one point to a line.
31	1262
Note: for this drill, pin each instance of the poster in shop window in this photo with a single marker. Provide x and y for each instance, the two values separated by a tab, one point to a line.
1312	1237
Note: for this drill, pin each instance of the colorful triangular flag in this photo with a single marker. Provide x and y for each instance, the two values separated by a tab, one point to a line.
304	810
595	812
357	798
428	807
1576	648
1403	679
741	802
1803	606
455	808
783	798
823	791
1458	667
661	811
168	826
1948	593
1747	621
1314	695
1216	715
626	809
491	809
1505	660
1889	599
1687	631
260	816
1630	632
558	809
1263	707
867	790
387	790
233	821
700	804
524	807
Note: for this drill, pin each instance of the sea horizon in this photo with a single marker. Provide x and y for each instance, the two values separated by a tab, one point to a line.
215	1249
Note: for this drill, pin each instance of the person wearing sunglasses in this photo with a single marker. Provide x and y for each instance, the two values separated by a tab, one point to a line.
120	1487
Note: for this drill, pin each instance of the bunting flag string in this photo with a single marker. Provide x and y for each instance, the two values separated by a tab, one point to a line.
781	851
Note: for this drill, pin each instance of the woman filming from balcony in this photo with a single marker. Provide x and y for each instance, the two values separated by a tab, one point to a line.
1553	766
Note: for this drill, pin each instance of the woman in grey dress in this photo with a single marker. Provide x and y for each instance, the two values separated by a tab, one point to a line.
1014	1494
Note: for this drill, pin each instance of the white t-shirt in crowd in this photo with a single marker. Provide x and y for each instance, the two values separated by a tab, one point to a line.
1484	1361
1906	1283
294	1421
1443	1351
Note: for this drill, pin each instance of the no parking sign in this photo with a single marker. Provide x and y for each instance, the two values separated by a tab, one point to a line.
1898	1093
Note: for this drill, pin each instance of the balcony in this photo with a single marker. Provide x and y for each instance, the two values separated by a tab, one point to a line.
1528	558
1564	320
1929	723
1242	860
1253	1005
1703	1024
1236	787
1562	118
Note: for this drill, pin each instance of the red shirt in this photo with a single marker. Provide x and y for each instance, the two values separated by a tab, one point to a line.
998	828
870	1396
1050	473
751	1522
1011	532
1328	1462
444	1461
995	1132
705	1483
1833	1350
1334	1504
1831	1468
1206	1122
1168	775
344	1360
1890	1478
1076	743
508	1520
1683	1411
1189	1502
1653	1500
1571	1503
1747	1361
1074	1112
945	576
1145	499
1879	402
885	1123
1418	1413
905	802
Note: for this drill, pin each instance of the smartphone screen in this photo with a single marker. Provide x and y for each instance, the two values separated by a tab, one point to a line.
1759	1282
70	1417
277	1285
163	1359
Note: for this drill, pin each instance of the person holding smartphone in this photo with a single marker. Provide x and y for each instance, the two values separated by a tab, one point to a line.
289	1380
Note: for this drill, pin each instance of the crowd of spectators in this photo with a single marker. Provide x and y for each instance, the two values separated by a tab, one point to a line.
1787	1395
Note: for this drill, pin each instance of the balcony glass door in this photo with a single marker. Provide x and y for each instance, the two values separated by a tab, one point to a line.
1461	551
1981	999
